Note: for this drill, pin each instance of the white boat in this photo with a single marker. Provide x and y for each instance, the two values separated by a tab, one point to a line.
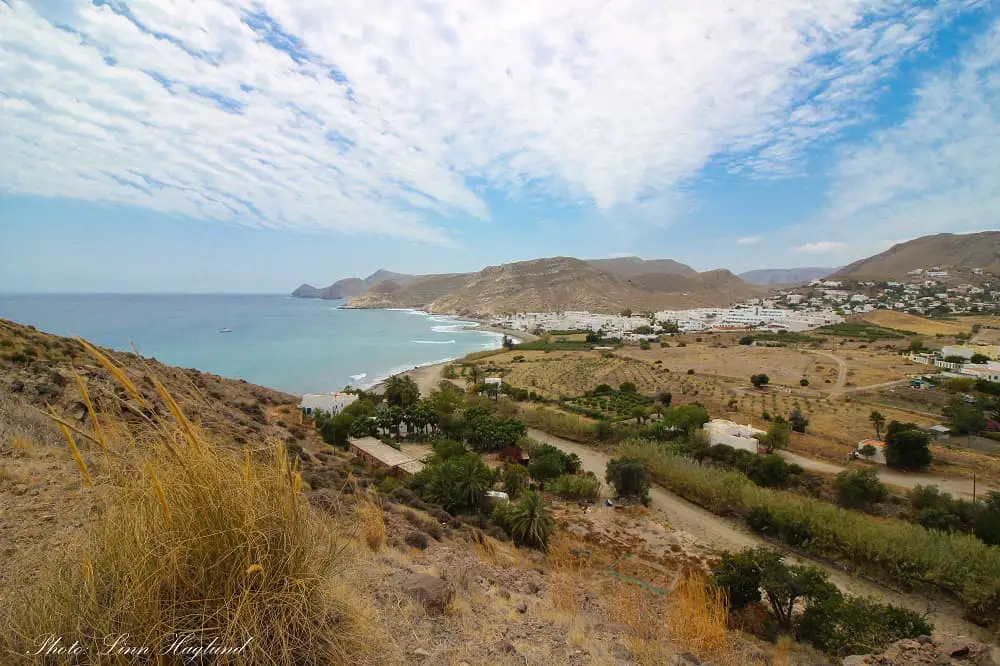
225	330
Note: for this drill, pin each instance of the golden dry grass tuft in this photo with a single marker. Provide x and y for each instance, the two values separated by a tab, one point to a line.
197	540
372	522
689	619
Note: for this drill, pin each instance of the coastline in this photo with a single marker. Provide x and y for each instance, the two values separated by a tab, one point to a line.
428	375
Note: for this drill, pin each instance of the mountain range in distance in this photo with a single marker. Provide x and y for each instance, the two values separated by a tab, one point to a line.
616	284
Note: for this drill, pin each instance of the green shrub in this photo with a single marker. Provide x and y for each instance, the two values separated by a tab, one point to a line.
515	479
629	477
574	487
530	521
907	447
844	625
860	489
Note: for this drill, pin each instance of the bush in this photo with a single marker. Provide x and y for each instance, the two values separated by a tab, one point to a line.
844	625
907	447
746	340
573	487
798	421
416	540
860	489
759	380
630	478
801	598
803	382
515	479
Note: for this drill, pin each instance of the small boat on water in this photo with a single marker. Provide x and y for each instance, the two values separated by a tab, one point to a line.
225	330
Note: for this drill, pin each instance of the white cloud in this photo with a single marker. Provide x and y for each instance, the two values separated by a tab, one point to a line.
822	247
748	240
394	117
938	169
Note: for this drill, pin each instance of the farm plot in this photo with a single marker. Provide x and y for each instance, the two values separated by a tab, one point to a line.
784	365
901	321
614	405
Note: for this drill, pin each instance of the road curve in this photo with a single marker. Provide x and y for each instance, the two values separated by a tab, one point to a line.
723	534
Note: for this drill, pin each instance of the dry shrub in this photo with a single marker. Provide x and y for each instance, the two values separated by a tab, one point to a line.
696	617
689	619
372	521
197	541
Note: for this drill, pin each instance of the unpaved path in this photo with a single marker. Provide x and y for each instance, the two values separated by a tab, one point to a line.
724	534
841	370
953	485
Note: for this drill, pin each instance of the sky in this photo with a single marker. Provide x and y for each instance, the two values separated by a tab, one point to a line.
224	146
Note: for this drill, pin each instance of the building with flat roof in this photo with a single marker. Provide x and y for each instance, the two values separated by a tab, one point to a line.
721	431
380	454
331	403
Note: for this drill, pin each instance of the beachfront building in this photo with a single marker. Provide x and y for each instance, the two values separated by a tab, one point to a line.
379	454
331	403
721	431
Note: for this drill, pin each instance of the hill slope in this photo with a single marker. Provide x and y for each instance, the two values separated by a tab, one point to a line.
769	276
979	250
632	266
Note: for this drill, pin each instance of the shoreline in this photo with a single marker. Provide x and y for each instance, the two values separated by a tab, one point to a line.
428	375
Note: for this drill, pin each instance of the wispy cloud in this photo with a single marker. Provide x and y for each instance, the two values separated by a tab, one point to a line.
394	118
938	169
822	247
748	240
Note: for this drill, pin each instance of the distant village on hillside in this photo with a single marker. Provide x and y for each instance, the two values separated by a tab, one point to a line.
932	291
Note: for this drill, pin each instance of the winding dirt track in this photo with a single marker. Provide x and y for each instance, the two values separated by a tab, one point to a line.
724	534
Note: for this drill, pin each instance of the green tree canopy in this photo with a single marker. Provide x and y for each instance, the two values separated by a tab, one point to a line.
629	477
401	391
860	489
906	446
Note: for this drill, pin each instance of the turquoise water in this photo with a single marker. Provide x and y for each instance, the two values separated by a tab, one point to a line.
291	344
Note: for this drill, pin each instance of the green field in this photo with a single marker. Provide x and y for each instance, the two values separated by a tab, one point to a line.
612	406
858	330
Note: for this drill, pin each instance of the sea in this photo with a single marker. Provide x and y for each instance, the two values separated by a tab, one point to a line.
290	344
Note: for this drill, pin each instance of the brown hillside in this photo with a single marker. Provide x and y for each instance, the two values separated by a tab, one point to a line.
419	292
980	250
631	266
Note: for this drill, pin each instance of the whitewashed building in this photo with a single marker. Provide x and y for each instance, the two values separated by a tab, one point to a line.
331	403
721	431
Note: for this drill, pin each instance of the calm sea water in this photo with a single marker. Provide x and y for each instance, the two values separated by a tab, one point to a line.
291	344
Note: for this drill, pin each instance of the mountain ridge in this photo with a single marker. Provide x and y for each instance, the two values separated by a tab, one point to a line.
786	276
975	250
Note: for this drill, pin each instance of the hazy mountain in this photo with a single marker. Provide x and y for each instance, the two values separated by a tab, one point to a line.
979	250
786	276
350	287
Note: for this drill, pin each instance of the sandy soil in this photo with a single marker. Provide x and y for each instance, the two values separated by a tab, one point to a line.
723	534
907	322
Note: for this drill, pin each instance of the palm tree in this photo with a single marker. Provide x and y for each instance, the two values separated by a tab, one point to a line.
531	521
878	420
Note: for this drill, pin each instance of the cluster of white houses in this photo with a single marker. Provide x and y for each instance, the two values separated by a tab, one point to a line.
945	360
757	314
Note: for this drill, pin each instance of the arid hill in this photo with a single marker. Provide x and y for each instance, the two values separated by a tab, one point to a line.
632	266
979	250
351	287
785	276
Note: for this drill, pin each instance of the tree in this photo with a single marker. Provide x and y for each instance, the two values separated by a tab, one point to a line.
337	429
798	421
507	342
746	340
644	345
639	413
627	387
459	483
664	398
777	436
965	419
954	358
916	346
544	468
688	417
629	477
860	489
906	446
531	521
401	391
626	313
515	479
759	380
803	382
868	450
474	375
878	420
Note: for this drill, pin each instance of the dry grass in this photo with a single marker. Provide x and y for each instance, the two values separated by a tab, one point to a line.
691	619
901	321
372	522
197	541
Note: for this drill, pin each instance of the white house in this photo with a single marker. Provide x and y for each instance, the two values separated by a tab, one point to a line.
331	403
879	455
721	431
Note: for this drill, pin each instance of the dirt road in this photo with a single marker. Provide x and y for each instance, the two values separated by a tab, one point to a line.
955	486
723	534
841	370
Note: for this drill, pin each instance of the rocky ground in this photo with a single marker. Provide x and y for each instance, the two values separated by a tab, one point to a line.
939	650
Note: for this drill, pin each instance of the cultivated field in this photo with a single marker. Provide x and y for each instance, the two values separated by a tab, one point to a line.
901	321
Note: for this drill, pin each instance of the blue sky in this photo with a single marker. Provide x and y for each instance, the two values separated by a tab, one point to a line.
212	145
